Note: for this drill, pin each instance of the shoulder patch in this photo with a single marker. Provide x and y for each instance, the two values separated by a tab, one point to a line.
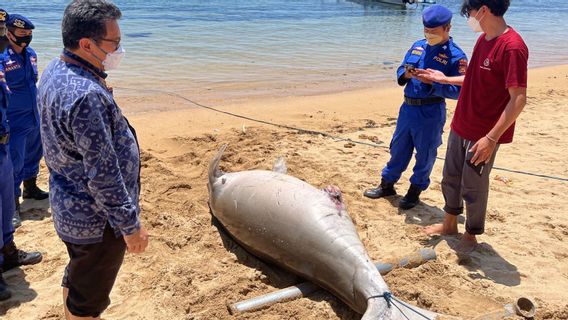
462	66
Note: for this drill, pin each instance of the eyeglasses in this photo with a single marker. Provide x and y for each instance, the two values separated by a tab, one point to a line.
116	42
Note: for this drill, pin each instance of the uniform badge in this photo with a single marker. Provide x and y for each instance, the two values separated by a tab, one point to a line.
19	23
440	60
462	66
417	52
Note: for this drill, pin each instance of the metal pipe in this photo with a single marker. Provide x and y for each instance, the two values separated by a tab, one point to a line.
303	289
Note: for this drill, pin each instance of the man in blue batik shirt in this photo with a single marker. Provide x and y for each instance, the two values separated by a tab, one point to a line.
25	140
423	114
93	158
10	256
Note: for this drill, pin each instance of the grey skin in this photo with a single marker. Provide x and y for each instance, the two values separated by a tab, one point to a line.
308	231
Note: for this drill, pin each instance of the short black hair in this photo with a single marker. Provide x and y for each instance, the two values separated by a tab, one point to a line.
497	7
86	19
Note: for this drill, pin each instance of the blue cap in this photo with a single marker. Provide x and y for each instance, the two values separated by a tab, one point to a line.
436	15
19	21
3	16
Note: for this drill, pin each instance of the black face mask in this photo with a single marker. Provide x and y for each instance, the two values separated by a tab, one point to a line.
3	43
20	41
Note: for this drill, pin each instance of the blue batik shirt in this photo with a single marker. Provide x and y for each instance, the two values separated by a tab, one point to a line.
91	152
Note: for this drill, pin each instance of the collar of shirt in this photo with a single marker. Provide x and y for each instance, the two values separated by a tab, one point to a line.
85	63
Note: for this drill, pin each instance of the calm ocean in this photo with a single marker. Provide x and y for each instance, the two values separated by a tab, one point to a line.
231	47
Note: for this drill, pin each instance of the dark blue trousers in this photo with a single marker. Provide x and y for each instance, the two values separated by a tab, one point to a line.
417	128
7	205
26	152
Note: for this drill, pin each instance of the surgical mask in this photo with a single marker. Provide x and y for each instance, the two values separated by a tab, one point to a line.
113	59
23	41
474	23
433	39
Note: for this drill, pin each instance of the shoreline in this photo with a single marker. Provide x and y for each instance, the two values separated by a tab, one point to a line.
146	100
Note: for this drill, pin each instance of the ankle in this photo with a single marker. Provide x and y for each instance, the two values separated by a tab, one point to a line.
469	237
450	222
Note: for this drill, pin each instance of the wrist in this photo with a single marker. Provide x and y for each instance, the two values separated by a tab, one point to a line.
491	138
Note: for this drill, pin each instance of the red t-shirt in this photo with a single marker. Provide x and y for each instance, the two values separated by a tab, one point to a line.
496	65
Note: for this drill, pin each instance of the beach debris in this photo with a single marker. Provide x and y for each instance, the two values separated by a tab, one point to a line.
370	124
503	179
374	139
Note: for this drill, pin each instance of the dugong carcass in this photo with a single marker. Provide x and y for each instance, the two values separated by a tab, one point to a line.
308	231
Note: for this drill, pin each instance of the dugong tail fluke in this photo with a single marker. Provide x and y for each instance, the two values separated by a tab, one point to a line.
214	171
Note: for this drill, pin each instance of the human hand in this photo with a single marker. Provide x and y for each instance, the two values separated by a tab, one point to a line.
421	75
482	149
408	73
137	242
432	75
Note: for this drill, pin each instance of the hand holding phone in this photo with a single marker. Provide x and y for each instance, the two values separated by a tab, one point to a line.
409	68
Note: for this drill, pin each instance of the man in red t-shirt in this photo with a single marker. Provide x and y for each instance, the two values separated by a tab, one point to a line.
492	97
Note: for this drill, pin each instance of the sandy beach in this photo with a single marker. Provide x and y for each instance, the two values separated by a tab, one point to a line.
191	271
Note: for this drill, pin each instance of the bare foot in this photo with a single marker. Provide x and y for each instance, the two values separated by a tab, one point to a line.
467	244
449	227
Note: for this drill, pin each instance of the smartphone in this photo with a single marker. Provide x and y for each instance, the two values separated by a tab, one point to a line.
477	168
409	67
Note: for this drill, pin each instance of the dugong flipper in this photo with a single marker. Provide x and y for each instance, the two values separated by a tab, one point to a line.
308	231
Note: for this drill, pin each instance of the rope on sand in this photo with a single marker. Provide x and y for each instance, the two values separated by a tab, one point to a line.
324	134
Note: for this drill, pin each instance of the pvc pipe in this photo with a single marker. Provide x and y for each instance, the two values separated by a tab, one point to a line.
523	307
305	288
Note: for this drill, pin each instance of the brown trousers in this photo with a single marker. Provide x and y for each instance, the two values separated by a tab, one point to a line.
463	182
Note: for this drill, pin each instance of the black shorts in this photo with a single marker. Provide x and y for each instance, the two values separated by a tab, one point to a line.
91	272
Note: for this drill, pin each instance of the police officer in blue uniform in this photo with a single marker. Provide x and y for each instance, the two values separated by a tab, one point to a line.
10	256
423	113
25	145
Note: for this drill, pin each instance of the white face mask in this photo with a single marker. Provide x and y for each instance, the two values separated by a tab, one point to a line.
474	23
113	59
433	39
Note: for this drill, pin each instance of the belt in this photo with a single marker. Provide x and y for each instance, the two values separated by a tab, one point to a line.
4	138
424	101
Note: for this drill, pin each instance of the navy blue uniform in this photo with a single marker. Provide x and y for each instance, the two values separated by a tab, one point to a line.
25	140
420	127
6	174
